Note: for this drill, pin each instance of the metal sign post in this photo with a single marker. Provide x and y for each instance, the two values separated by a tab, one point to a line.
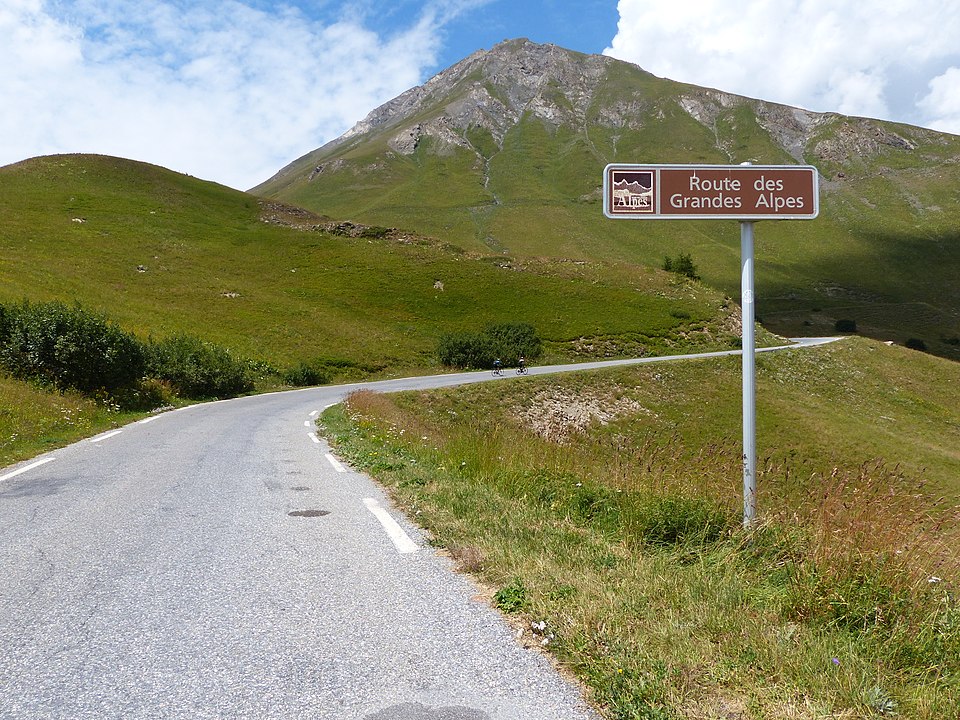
720	192
749	355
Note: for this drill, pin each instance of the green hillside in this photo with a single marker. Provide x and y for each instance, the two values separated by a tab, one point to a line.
883	253
162	253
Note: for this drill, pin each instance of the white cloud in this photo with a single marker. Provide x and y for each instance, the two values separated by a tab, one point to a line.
872	59
942	103
218	89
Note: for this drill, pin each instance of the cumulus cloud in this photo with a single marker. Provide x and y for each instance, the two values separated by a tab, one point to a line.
887	60
220	89
942	103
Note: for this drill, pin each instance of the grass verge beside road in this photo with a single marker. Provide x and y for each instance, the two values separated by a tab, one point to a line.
33	420
603	509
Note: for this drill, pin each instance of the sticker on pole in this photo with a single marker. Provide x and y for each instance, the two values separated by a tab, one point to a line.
711	192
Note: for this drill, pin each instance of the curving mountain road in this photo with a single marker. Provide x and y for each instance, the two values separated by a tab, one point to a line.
217	562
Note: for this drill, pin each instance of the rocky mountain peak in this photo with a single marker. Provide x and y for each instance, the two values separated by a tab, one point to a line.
494	91
491	89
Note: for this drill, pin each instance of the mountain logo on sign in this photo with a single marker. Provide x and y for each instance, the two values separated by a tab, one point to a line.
632	192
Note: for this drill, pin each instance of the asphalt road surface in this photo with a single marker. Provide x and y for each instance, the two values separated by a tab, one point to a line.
218	562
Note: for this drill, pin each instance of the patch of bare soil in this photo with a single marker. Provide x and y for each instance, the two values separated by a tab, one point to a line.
558	415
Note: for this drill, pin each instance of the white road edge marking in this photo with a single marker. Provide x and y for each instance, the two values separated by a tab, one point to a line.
306	423
400	539
313	436
148	420
336	463
24	469
314	413
105	436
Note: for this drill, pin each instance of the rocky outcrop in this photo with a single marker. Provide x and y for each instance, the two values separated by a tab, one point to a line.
493	91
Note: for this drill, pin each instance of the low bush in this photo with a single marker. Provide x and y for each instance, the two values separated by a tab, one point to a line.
845	325
198	369
305	375
465	350
148	394
682	265
916	344
69	347
507	341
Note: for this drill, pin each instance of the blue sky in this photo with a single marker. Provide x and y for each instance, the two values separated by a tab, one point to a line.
232	90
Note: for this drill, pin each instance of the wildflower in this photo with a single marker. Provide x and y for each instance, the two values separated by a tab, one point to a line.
933	579
836	661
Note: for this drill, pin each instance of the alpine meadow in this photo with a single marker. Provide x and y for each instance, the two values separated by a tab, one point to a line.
598	510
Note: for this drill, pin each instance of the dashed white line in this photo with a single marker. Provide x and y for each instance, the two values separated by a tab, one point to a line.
307	423
25	468
314	413
100	438
335	463
313	436
400	539
148	420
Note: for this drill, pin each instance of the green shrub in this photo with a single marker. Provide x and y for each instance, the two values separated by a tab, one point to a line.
198	369
69	348
465	350
147	394
845	326
507	341
305	375
511	340
916	344
683	265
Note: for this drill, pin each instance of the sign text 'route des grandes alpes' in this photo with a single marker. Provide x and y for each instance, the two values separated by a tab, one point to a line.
702	192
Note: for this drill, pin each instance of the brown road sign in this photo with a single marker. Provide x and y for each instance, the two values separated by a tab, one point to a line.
711	192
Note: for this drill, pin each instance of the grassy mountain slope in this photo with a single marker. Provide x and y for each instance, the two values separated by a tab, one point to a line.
161	253
505	152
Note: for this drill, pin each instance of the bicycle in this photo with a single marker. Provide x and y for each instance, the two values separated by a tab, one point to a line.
522	370
497	371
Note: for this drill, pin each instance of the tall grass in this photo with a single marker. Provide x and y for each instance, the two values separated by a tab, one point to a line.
618	546
33	420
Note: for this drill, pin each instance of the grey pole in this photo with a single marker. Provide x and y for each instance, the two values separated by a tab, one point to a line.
749	376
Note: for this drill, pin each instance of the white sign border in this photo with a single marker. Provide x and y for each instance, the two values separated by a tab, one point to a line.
700	166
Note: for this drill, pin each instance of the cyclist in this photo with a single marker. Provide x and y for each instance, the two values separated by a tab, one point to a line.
497	366
522	365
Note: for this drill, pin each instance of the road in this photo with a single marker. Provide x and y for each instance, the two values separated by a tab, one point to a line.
217	562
